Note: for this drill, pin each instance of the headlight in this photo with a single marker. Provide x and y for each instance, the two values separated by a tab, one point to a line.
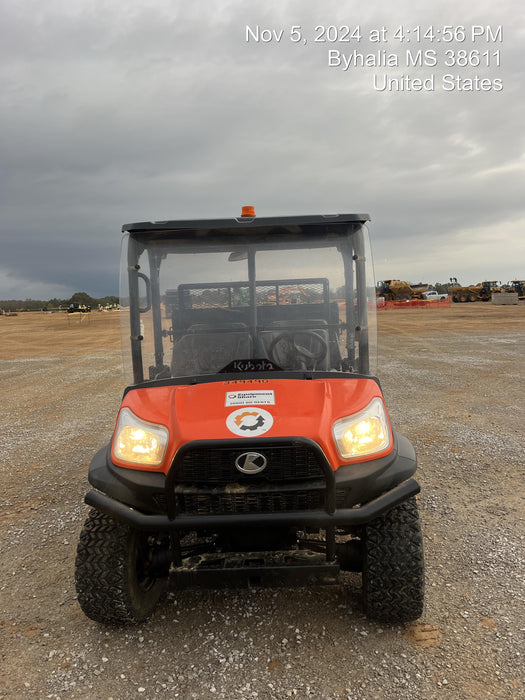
364	433
138	441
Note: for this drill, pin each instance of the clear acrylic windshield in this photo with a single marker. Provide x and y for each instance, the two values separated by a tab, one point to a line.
196	308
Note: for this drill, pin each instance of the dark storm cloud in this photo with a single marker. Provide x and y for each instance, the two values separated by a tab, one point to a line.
154	110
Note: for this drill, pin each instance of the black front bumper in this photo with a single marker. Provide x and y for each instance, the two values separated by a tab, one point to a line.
344	517
351	496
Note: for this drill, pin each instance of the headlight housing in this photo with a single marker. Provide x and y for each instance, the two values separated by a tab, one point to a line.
138	442
363	433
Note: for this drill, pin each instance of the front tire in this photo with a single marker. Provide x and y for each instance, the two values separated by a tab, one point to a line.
393	566
112	576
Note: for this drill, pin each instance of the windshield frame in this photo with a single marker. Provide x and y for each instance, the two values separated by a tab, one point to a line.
141	293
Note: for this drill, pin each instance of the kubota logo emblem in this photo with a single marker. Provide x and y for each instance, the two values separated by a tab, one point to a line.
249	422
251	462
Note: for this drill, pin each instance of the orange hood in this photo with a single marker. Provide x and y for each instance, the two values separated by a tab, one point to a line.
252	408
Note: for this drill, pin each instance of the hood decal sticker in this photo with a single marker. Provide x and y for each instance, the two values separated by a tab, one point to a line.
249	421
250	398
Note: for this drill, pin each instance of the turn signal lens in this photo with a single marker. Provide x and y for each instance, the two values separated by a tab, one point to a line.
138	442
364	433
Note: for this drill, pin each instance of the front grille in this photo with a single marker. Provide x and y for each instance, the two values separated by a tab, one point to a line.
216	466
204	480
256	502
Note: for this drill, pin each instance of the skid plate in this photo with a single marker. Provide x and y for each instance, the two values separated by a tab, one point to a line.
250	569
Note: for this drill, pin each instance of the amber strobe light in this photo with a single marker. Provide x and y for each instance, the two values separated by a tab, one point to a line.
248	211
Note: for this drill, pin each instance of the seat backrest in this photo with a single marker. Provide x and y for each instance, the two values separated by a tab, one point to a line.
205	350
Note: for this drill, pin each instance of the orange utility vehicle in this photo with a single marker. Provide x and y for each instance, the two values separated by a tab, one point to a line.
253	445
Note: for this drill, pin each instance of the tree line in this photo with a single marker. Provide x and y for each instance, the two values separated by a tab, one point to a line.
57	304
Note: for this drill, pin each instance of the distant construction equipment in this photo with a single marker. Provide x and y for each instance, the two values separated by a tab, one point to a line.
517	286
399	290
476	292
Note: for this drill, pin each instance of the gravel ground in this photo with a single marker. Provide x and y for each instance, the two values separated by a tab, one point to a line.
455	388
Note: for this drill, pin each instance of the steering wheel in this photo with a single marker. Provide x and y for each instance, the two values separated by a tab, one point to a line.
292	346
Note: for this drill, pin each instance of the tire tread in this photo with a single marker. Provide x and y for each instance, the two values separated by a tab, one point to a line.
394	572
104	574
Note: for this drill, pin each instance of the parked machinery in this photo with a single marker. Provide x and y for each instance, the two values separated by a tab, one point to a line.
476	292
253	444
517	286
398	290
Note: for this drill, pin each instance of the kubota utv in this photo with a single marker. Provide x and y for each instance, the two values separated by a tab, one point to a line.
253	445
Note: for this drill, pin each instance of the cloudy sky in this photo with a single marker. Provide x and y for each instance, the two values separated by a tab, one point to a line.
130	110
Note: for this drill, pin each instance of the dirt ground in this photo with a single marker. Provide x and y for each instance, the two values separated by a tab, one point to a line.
454	384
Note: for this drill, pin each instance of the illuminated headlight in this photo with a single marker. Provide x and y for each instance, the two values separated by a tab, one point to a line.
364	433
138	441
